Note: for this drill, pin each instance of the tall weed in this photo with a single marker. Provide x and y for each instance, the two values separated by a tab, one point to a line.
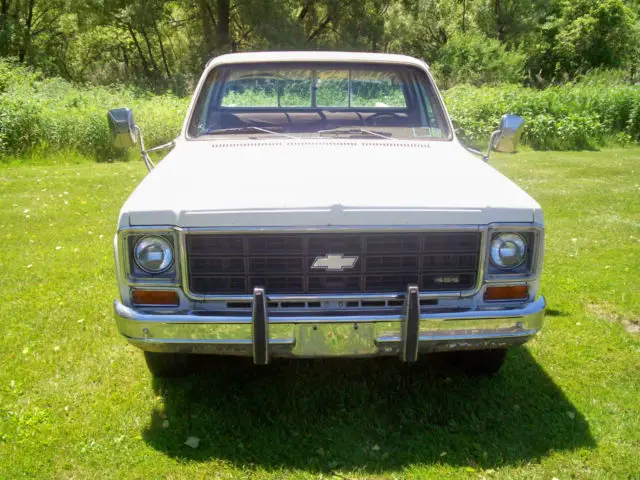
569	117
52	115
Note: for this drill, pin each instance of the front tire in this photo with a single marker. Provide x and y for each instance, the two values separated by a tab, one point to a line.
482	362
166	365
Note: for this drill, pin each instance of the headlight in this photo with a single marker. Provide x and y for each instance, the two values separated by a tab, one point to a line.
508	250
153	254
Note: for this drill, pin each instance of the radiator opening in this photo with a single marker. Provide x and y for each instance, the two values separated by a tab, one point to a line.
238	304
373	303
293	304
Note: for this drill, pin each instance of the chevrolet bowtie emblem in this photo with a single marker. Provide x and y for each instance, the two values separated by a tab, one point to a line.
334	262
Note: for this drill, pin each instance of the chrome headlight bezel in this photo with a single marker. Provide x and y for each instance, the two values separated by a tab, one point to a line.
531	264
508	241
148	241
130	272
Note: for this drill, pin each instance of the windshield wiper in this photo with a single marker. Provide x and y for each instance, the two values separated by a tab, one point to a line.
247	129
355	131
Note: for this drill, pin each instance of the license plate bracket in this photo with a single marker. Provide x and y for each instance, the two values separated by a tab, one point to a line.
335	340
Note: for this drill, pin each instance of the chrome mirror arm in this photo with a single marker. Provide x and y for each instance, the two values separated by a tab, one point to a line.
492	139
144	153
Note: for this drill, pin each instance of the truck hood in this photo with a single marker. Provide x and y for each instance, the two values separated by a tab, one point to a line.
283	182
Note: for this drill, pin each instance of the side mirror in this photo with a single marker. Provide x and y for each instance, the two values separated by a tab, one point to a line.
123	129
508	135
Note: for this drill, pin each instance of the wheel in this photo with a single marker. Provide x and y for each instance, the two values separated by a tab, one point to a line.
481	362
169	364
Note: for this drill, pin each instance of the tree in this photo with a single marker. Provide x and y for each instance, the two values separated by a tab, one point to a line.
477	60
162	44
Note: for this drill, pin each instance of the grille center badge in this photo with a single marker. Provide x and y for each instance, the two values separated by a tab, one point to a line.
334	262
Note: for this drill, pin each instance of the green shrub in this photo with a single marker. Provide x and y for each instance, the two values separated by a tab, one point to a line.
569	117
53	115
477	60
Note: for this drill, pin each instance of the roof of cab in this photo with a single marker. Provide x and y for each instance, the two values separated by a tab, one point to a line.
313	56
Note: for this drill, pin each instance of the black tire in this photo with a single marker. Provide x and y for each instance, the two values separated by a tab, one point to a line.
169	364
481	362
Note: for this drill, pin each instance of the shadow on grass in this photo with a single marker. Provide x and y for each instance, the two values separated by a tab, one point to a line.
370	415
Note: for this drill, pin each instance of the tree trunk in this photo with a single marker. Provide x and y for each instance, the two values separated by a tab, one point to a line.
497	10
145	65
319	29
125	60
224	19
4	33
26	40
148	43
207	26
464	16
164	56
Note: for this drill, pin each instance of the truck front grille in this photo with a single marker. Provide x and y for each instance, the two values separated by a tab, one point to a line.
221	264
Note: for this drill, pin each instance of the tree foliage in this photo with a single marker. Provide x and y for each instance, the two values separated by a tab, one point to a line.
163	44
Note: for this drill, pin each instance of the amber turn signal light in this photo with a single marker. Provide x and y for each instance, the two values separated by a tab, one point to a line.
512	292
155	297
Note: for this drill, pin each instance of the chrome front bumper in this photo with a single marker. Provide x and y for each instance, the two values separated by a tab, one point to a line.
262	336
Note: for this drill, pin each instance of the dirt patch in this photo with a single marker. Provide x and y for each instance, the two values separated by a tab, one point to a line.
632	327
603	312
607	312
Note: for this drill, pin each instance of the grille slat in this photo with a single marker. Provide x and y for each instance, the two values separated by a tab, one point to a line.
281	263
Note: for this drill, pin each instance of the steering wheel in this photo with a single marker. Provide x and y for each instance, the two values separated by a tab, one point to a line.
379	115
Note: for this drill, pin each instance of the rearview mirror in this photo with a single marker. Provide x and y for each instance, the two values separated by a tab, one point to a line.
123	128
507	137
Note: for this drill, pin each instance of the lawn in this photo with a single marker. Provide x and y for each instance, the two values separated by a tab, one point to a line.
76	401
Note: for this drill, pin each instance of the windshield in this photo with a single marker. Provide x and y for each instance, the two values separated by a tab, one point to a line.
319	100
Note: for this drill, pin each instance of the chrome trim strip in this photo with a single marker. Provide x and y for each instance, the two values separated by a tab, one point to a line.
497	312
456	338
329	228
382	346
213	341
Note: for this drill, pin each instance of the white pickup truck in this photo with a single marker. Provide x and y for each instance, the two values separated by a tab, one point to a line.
319	204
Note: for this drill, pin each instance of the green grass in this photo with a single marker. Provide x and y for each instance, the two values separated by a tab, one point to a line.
77	402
